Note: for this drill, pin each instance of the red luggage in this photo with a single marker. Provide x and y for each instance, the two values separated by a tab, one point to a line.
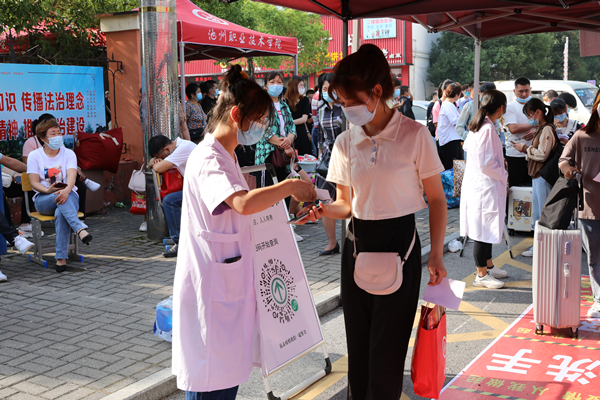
100	150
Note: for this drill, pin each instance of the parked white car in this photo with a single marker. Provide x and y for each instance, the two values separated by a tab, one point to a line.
584	92
419	108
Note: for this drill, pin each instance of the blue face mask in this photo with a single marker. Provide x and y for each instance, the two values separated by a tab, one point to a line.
561	117
396	93
275	90
253	135
55	142
533	122
217	92
327	98
467	94
523	101
198	96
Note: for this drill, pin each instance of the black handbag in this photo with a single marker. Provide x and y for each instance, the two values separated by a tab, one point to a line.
561	203
550	170
323	165
196	135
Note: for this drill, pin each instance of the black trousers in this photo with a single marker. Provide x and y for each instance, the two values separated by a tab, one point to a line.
518	171
6	230
449	152
482	252
378	328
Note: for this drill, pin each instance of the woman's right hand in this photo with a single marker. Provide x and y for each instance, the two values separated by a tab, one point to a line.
302	191
285	143
52	188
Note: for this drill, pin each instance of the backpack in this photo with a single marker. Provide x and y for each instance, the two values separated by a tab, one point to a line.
561	203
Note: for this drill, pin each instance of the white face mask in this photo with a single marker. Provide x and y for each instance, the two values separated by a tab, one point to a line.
360	115
301	90
253	135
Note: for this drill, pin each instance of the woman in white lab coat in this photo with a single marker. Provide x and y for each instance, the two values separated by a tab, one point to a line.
483	194
214	302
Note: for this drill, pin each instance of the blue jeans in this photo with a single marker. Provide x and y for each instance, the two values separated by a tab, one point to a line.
541	190
172	208
65	219
315	141
224	394
590	234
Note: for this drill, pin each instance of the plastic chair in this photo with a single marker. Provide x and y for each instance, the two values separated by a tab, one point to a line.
36	226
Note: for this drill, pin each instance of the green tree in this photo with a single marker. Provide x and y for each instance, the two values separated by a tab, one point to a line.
453	57
17	16
313	39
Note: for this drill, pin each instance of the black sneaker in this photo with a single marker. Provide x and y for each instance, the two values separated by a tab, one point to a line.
172	252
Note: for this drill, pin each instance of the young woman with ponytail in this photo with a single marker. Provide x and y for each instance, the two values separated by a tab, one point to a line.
545	140
214	300
483	194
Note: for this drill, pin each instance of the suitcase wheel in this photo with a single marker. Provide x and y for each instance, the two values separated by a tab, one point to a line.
575	333
511	232
539	329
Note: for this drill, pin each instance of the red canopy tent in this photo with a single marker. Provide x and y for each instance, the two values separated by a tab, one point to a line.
481	19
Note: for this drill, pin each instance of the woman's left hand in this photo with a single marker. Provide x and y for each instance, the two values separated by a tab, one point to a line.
289	151
82	176
437	271
61	196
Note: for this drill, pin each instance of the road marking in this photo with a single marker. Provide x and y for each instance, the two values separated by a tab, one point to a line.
340	367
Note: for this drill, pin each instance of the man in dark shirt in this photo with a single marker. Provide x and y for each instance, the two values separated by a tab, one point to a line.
406	100
209	97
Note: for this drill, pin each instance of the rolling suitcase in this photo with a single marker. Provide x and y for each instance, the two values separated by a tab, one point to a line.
520	209
556	278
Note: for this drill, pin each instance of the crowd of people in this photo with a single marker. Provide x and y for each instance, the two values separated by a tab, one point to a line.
378	172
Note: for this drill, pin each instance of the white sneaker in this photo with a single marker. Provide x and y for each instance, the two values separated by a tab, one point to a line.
497	273
298	237
594	311
26	228
487	281
22	244
528	253
3	277
93	186
144	227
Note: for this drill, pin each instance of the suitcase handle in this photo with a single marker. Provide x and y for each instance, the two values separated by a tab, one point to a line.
567	272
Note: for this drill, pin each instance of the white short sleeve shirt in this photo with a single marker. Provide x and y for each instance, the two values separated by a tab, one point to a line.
387	169
51	169
180	155
514	115
447	120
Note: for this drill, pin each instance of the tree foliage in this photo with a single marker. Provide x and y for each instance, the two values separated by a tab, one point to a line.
313	39
57	29
537	56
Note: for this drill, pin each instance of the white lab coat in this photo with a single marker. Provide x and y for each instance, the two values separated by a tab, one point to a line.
483	193
214	303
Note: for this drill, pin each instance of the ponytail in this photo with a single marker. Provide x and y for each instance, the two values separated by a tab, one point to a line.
491	101
238	90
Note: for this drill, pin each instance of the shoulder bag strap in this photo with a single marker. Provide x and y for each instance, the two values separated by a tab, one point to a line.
355	254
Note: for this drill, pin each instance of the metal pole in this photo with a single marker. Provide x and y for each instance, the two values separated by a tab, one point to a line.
476	76
182	73
296	65
345	39
356	35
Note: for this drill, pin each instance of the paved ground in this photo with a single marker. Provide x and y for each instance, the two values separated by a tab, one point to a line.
87	332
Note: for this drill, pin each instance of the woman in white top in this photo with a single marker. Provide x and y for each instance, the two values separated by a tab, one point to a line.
214	299
52	171
483	193
450	147
392	159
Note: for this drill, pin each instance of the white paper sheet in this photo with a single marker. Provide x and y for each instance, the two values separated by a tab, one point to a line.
448	293
322	194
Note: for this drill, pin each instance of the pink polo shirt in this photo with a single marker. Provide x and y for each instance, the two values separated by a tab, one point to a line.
387	169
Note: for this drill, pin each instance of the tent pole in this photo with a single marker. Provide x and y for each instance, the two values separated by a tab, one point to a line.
296	65
476	75
345	39
182	72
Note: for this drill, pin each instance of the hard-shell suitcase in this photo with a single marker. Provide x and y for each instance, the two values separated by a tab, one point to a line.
556	278
520	209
